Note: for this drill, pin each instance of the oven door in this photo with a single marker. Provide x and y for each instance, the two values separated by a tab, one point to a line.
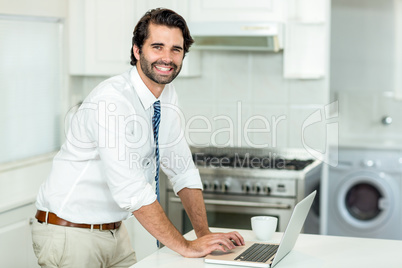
232	211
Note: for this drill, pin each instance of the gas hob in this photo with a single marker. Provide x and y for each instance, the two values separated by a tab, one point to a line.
261	172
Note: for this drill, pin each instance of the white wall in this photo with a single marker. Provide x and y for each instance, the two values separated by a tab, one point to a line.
362	70
250	86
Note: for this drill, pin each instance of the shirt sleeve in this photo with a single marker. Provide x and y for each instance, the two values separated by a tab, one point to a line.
114	125
176	157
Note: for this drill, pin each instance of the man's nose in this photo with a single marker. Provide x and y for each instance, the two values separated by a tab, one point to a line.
167	57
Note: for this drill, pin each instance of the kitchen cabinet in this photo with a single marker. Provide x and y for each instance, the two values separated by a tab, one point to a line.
305	35
15	237
180	6
100	33
100	36
306	46
237	10
143	243
305	50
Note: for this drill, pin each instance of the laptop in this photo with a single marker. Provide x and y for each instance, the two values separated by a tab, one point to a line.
256	254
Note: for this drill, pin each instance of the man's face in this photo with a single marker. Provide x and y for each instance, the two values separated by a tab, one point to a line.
162	54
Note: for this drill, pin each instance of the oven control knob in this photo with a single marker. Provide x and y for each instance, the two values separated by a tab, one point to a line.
246	188
206	185
267	190
216	186
225	187
257	188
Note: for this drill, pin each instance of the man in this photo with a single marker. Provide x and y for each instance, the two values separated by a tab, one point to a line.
123	132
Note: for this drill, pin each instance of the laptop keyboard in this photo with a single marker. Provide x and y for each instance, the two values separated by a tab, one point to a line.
258	253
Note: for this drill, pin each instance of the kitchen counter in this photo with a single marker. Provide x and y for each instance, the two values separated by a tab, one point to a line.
380	143
310	251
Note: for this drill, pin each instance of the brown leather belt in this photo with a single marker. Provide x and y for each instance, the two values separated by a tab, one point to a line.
53	219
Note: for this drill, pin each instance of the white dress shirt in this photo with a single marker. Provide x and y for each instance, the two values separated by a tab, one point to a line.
106	168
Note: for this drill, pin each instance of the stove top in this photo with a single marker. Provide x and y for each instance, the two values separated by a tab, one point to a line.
249	161
273	172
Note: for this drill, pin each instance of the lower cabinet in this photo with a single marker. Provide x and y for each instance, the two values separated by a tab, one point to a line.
15	237
143	242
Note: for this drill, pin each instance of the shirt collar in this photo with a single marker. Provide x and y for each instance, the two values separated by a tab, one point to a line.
145	95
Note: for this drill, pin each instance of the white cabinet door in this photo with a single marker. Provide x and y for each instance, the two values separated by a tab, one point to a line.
306	49
100	34
180	6
143	243
237	10
15	238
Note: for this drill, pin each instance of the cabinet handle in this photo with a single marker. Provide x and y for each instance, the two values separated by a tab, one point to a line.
238	203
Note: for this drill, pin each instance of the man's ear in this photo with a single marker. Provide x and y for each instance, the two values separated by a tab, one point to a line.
136	51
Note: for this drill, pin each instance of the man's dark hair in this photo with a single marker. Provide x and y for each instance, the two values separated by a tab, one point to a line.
159	16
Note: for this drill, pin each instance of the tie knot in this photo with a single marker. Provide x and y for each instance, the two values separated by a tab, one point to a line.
157	106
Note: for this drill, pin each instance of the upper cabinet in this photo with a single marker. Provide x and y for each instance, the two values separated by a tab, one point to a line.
180	6
237	10
101	31
306	46
100	36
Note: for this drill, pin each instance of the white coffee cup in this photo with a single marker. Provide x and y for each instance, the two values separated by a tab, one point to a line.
264	227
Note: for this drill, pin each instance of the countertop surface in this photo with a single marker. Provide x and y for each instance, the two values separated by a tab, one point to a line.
367	143
310	251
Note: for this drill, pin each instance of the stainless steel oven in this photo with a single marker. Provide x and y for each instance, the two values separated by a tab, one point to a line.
240	183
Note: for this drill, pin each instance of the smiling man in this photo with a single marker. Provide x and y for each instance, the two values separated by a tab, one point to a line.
160	62
125	130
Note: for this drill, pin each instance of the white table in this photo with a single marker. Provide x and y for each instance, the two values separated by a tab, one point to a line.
310	251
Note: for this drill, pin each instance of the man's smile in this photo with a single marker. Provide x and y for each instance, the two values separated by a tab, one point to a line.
163	68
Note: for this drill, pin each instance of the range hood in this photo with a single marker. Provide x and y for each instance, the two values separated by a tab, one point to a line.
250	36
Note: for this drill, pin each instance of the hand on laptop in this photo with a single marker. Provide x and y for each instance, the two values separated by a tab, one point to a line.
213	241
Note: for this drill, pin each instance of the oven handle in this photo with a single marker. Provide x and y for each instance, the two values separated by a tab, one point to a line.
238	203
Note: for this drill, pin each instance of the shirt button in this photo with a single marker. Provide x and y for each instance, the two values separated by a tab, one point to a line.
146	162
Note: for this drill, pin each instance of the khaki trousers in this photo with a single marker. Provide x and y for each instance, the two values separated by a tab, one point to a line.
59	246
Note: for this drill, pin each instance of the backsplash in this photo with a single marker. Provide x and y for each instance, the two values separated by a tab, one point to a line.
246	91
242	99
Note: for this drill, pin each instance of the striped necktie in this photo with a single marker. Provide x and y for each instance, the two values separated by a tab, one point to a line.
156	119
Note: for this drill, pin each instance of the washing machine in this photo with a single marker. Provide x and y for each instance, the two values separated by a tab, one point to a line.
364	194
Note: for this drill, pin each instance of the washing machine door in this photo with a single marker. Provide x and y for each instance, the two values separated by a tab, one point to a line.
365	200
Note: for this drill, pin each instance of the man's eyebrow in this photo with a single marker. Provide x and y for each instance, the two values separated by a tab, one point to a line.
178	47
157	44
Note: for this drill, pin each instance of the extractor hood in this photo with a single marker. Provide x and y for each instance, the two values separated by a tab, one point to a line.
251	36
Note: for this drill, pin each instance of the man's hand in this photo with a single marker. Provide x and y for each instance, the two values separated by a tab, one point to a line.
153	218
210	242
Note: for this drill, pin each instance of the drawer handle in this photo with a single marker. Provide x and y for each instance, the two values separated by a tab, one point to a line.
238	203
